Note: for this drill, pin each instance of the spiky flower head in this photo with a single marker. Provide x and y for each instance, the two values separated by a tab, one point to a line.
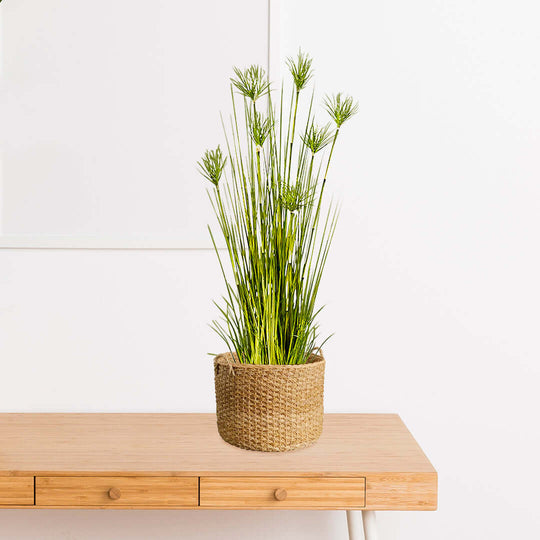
212	164
259	127
300	69
295	197
317	137
251	82
340	108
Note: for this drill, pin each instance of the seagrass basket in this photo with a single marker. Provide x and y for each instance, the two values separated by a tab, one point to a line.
271	408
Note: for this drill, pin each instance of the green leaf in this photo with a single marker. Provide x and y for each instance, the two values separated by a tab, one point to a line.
276	226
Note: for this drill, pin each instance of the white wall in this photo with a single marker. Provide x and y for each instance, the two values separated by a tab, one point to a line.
432	287
106	106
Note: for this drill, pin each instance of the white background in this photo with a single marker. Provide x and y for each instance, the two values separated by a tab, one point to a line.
432	286
107	105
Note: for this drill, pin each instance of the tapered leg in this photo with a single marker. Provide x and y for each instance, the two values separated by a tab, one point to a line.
355	519
370	525
354	524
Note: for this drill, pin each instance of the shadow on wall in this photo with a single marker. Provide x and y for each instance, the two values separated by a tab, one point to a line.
170	524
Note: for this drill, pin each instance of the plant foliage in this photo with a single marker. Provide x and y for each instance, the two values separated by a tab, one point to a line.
267	197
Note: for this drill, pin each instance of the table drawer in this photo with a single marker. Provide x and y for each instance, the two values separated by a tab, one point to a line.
282	492
110	491
16	490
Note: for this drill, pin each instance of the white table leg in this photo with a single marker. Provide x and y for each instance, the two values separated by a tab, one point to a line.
354	524
355	519
370	525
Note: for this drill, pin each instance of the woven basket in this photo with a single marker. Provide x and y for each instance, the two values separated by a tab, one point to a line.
269	408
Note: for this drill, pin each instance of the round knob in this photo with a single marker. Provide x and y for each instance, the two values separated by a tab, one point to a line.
114	493
280	494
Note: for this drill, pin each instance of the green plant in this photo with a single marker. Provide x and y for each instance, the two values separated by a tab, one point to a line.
268	205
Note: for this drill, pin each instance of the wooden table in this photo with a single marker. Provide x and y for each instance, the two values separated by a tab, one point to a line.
362	463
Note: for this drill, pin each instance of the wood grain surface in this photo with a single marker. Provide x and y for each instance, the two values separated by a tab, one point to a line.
156	460
18	490
189	444
112	491
302	492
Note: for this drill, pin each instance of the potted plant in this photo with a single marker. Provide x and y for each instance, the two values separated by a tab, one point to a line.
267	195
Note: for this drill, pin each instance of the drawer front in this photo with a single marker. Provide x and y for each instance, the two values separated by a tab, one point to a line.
16	490
110	491
282	492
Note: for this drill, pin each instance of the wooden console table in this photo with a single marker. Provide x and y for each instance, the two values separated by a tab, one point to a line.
362	463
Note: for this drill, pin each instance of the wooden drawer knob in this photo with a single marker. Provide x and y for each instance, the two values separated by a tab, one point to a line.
114	493
280	494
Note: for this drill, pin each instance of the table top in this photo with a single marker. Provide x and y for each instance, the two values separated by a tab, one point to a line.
186	444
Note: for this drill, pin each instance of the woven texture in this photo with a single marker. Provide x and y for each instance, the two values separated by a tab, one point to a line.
269	408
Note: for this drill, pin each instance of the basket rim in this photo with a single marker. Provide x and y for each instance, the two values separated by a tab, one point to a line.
221	360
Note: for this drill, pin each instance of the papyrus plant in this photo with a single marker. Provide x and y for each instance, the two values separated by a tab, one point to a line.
267	195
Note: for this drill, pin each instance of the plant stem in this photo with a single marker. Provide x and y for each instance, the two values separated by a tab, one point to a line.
292	136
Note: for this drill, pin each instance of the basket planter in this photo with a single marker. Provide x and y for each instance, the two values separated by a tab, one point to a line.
271	408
